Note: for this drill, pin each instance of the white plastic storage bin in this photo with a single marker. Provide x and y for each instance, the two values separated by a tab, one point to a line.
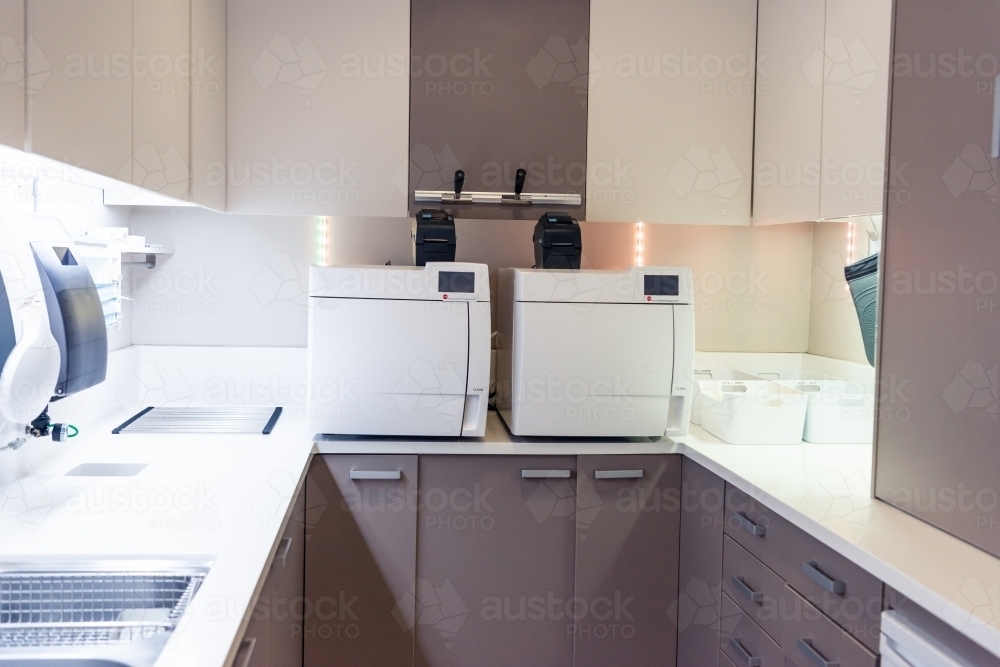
840	412
743	409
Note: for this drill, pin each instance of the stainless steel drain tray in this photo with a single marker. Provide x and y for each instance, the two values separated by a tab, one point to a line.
202	420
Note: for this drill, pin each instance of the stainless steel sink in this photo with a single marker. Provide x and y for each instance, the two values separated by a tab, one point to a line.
92	614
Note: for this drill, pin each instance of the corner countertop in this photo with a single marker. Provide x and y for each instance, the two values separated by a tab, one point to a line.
228	498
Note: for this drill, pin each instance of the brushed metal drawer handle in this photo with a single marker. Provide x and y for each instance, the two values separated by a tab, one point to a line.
618	474
736	644
546	474
834	586
248	645
747	592
805	645
283	549
376	474
750	526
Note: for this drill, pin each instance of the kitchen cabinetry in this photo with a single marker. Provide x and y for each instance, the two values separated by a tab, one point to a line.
318	108
161	96
808	599
273	637
12	73
496	87
856	71
935	437
495	548
131	89
671	111
80	65
699	602
628	516
360	583
789	114
208	103
822	94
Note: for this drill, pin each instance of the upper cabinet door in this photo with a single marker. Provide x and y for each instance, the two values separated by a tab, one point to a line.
161	99
497	87
854	68
208	103
318	107
789	115
12	73
79	83
670	137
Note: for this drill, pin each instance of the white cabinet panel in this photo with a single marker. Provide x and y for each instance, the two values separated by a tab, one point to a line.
855	70
318	108
789	115
79	61
208	101
12	73
161	96
671	110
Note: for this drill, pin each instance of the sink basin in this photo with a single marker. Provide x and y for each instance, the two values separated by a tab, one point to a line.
92	614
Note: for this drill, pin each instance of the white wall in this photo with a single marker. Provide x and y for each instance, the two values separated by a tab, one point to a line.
234	280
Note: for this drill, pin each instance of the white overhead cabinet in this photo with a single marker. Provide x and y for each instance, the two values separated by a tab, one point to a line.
79	72
319	98
12	73
131	89
856	71
208	102
789	116
671	109
822	94
161	97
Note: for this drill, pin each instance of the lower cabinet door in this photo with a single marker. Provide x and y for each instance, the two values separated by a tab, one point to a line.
361	522
284	591
495	547
699	601
627	549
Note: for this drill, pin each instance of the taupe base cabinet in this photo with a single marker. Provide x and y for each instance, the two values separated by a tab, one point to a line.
782	597
452	560
273	637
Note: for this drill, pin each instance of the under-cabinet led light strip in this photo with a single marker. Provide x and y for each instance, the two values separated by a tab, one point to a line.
640	243
323	241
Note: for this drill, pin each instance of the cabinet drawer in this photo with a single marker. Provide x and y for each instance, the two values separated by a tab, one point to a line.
812	640
756	528
849	595
724	660
755	589
744	643
841	589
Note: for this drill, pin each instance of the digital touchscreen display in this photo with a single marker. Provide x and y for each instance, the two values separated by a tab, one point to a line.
654	285
457	282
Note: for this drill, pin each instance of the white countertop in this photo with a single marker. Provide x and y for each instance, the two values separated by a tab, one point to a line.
226	498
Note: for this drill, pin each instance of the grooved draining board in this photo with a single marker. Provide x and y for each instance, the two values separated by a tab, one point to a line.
202	420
